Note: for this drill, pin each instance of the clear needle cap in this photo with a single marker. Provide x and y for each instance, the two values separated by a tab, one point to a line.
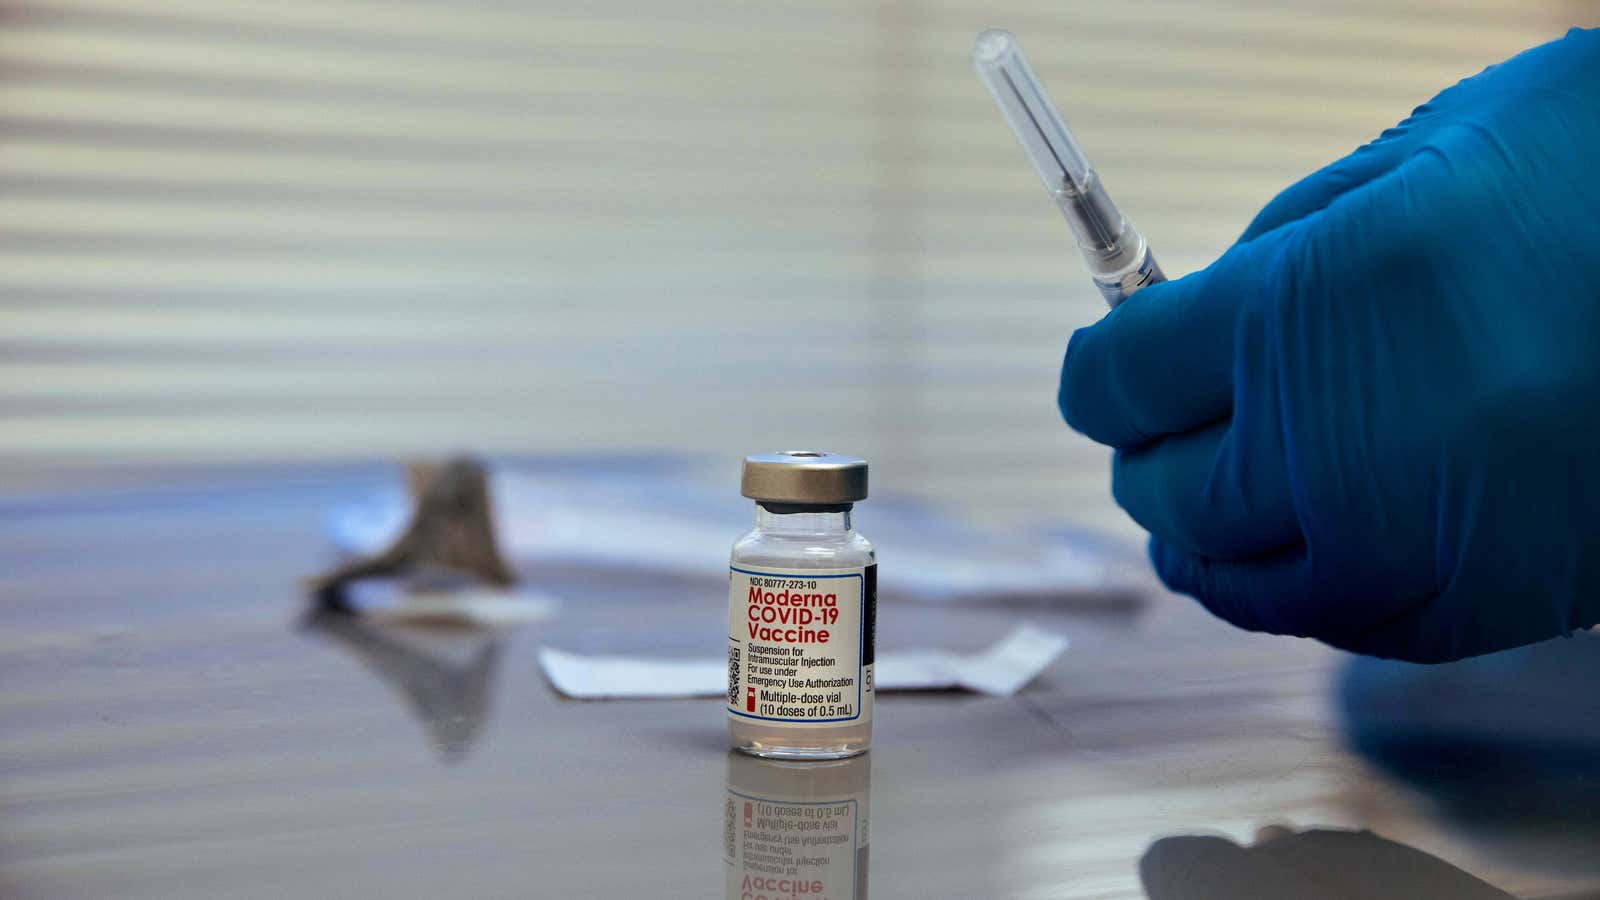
1051	148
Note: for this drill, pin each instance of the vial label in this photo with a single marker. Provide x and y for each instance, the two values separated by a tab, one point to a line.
800	644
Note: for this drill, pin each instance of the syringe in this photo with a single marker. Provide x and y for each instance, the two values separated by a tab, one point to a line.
1116	253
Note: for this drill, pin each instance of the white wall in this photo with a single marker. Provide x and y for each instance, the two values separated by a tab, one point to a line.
334	229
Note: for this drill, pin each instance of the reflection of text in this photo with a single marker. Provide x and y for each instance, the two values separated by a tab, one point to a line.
799	842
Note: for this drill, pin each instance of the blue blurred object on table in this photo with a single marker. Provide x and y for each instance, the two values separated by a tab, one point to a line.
1505	746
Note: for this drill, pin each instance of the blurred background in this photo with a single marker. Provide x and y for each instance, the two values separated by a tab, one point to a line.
324	230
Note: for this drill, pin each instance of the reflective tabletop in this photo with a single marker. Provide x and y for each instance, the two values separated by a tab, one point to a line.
176	720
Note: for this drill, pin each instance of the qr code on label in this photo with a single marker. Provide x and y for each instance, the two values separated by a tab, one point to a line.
733	675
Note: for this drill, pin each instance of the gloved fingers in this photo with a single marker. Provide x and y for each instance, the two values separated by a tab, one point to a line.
1219	492
1162	362
1274	592
1395	145
1322	187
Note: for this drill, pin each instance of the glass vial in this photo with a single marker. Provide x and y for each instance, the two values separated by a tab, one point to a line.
797	829
802	611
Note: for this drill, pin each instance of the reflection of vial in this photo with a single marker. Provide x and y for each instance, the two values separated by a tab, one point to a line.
802	609
796	830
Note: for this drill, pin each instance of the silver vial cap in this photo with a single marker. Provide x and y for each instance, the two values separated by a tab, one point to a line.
804	477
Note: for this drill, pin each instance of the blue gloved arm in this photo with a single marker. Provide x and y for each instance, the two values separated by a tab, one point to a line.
1375	420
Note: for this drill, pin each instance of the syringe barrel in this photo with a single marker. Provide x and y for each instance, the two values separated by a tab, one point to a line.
1142	272
1116	254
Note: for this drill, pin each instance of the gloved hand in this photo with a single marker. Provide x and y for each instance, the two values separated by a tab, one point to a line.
1375	420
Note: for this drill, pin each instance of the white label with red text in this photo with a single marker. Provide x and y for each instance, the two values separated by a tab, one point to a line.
800	644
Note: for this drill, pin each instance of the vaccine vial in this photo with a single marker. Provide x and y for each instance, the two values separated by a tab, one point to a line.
802	611
797	829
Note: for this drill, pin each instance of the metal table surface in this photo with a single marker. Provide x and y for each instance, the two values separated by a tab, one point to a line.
175	723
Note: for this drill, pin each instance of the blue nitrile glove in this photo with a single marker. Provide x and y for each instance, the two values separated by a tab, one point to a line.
1375	420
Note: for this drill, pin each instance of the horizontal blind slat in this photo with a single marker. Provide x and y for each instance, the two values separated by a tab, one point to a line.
332	228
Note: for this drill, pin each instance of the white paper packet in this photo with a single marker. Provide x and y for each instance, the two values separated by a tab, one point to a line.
1000	670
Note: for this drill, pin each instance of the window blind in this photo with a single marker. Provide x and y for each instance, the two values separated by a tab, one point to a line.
328	229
